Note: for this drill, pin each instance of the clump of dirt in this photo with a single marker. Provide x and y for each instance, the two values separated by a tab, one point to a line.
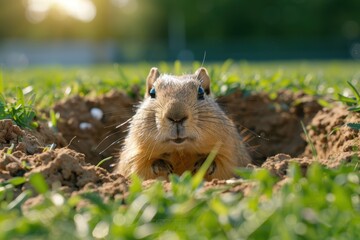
272	126
278	165
90	124
28	140
68	168
23	142
333	140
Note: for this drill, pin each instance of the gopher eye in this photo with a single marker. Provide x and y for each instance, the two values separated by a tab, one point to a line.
201	93
152	93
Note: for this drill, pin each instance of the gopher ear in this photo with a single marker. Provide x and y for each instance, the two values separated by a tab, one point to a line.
203	76
151	78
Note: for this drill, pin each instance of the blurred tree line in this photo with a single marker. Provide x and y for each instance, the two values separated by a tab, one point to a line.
188	21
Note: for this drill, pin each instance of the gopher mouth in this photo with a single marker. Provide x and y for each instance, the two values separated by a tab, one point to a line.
178	140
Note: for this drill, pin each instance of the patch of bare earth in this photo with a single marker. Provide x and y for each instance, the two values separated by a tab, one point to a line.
272	128
98	137
331	142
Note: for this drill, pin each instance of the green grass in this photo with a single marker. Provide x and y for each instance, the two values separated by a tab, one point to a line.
324	204
353	102
21	111
54	83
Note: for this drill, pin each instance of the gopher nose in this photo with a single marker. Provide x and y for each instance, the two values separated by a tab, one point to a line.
176	113
177	122
177	119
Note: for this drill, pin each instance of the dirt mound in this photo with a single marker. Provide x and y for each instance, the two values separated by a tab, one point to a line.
272	125
333	140
90	124
67	167
62	165
278	165
23	142
28	140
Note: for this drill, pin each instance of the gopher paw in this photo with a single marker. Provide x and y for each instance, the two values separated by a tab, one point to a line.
161	167
199	163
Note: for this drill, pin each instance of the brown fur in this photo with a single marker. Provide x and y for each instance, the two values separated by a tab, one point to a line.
176	112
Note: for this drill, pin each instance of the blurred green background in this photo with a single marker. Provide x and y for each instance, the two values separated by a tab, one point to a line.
101	31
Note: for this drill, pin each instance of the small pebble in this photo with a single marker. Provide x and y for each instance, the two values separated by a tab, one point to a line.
85	125
27	90
96	113
67	91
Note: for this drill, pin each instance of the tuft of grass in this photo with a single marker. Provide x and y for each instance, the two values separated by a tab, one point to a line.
21	111
353	103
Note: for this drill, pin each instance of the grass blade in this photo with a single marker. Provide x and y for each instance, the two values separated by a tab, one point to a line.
199	176
15	181
1	81
313	149
354	109
31	100
104	160
346	100
10	149
20	96
356	93
53	120
38	182
355	126
16	204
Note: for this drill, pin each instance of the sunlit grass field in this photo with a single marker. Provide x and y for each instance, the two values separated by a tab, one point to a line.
52	83
324	204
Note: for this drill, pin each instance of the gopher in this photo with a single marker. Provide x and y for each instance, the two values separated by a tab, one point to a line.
176	127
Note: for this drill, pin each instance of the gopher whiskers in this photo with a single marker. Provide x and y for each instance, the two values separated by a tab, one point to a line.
107	137
152	150
122	124
112	144
217	122
118	125
112	134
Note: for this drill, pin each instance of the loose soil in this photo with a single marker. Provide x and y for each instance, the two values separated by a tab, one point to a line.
271	128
